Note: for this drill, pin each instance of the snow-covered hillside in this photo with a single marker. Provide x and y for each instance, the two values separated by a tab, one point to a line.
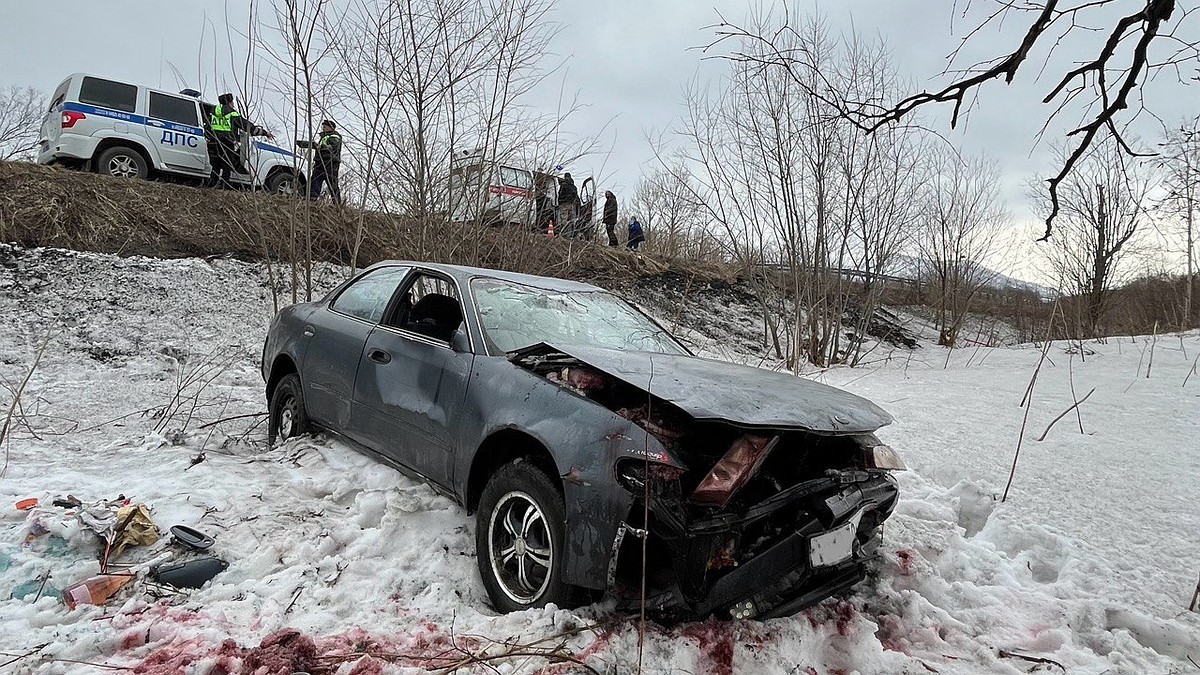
1090	564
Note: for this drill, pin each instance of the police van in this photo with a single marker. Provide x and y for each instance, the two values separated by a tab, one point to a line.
130	131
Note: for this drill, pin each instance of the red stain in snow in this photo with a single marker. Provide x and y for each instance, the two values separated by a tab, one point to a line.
906	558
715	639
288	651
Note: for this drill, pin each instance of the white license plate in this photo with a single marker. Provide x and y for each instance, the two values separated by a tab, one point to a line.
835	545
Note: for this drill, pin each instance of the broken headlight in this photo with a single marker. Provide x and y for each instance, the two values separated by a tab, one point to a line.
740	462
883	457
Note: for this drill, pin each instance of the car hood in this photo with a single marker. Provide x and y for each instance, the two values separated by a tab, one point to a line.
708	389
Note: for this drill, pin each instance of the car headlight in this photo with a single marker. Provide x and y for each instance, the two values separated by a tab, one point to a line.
884	457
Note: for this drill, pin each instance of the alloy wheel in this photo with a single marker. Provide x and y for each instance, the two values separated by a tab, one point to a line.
122	166
521	549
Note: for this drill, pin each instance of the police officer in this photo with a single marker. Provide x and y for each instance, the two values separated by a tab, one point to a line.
226	126
327	163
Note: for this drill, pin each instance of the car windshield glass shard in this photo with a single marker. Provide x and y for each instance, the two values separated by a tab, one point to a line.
515	316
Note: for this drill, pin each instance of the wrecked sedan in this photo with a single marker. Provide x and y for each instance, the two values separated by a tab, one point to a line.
586	440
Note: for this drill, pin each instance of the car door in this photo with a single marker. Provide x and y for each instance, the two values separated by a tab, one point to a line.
336	333
174	124
411	382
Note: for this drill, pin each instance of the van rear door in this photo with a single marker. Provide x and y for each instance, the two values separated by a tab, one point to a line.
174	126
52	125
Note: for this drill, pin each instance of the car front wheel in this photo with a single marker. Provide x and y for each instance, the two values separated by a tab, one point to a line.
286	413
519	539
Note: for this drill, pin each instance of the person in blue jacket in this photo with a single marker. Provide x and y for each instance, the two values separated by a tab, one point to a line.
636	236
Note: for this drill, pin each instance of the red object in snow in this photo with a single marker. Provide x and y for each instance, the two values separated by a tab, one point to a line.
740	462
26	504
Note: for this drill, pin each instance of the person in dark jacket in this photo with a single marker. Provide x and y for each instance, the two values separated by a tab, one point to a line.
636	235
568	201
327	163
610	217
226	127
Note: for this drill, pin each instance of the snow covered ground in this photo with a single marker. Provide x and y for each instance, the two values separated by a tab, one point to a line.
1090	564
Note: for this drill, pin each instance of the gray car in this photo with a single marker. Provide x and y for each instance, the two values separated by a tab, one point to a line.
594	449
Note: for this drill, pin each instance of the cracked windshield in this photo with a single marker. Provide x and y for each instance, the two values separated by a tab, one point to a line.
515	316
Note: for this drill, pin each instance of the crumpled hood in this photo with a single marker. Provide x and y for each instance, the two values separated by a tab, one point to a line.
708	389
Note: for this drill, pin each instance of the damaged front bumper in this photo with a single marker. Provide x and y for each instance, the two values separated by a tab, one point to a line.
774	558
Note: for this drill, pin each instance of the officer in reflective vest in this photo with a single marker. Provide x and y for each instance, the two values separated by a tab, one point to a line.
226	126
327	163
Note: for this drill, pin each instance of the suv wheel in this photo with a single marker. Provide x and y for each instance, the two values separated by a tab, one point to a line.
122	162
281	182
287	417
519	539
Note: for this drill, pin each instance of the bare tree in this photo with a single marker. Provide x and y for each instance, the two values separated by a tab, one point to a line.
960	219
666	205
22	110
1103	205
1116	35
1180	165
798	188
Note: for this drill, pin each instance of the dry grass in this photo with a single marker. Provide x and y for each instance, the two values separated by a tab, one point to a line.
55	207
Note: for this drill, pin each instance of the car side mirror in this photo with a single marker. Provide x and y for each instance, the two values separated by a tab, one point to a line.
459	341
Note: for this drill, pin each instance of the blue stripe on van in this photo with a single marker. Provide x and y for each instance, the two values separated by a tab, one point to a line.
132	118
272	148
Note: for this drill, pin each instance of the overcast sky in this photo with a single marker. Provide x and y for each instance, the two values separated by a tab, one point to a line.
628	59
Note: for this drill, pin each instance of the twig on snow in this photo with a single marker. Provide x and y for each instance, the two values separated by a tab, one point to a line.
1190	372
1064	414
1152	345
25	655
230	419
12	408
1027	402
1005	654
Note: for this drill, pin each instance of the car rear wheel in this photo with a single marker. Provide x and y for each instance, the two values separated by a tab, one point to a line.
519	539
122	162
287	416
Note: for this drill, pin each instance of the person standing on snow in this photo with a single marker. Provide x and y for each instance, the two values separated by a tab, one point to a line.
568	200
227	126
636	235
327	163
610	217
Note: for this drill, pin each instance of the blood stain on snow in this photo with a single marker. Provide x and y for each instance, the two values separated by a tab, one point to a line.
906	559
715	639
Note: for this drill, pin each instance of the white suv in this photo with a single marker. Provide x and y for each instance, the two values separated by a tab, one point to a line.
131	131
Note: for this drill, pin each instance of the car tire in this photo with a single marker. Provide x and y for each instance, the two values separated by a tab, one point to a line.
520	539
287	417
121	161
282	183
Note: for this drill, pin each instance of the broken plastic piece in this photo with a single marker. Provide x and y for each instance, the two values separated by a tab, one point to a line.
740	462
190	574
26	504
193	539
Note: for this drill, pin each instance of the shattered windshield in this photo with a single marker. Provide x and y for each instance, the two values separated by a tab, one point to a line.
515	316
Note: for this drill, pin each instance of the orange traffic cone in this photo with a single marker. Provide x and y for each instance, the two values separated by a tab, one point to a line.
550	229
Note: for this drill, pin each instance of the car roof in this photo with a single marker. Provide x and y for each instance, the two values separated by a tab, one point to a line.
464	274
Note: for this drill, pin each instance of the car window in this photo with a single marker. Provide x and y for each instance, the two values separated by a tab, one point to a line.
59	96
430	306
173	109
516	178
108	94
514	316
367	298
